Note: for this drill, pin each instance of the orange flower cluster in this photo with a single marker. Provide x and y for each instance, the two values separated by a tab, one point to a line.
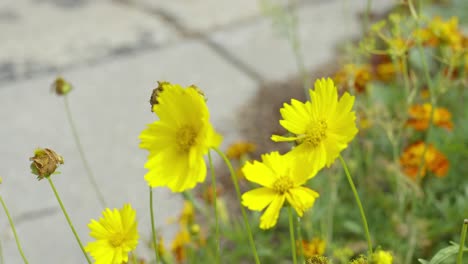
434	161
313	247
420	116
353	76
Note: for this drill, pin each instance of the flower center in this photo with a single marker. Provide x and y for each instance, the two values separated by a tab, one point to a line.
283	184
315	133
117	239
186	138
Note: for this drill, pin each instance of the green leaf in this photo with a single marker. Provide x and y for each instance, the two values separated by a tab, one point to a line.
422	261
445	254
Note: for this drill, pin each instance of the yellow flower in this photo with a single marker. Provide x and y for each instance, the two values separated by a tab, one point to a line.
282	177
239	149
116	235
313	247
187	216
180	138
382	257
322	127
179	245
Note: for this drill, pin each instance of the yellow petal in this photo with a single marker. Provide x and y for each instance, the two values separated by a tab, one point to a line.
301	199
258	199
271	214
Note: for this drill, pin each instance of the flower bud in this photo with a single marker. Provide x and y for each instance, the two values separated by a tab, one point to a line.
155	94
45	162
61	87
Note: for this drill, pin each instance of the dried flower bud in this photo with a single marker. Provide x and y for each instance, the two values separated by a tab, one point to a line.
45	162
61	87
155	94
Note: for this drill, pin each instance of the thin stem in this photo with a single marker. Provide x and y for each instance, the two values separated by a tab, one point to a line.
91	176
153	229
12	225
358	201
367	16
299	238
213	182
462	242
244	215
291	235
134	258
2	260
68	219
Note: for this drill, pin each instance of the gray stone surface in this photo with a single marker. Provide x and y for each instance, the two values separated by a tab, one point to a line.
110	105
205	15
322	25
44	35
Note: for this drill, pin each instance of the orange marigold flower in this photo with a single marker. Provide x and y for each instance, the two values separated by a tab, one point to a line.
353	76
239	149
434	160
383	68
420	115
313	247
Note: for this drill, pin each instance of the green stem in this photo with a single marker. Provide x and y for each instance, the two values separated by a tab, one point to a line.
68	219
89	172
244	215
12	225
134	258
2	260
358	201
367	16
299	238
213	182
153	229
291	235
462	242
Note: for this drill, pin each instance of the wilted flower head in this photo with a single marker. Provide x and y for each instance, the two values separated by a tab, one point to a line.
420	115
61	87
434	160
45	162
156	92
317	260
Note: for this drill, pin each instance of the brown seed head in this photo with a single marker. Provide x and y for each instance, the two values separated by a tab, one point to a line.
45	162
61	87
318	260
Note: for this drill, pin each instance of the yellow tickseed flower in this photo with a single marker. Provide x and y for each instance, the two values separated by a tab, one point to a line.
179	245
322	127
187	216
382	257
313	247
45	162
180	138
116	235
446	31
238	149
419	116
282	178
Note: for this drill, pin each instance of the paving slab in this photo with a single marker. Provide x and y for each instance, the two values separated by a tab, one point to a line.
44	35
206	15
110	106
322	25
